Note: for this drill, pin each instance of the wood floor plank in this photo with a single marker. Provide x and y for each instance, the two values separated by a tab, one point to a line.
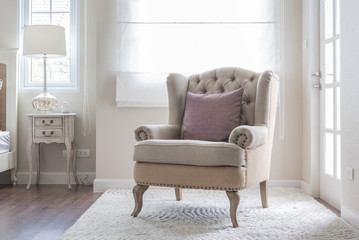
43	211
47	211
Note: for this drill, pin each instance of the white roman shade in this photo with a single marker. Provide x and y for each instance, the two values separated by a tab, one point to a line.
157	37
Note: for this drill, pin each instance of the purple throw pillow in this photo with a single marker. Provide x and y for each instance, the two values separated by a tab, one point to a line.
212	117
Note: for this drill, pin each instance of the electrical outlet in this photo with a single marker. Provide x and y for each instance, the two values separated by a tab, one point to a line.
81	153
350	173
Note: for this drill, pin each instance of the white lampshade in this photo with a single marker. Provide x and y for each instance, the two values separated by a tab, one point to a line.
44	39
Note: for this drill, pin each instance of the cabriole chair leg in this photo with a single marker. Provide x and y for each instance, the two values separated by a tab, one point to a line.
264	193
178	193
138	192
234	202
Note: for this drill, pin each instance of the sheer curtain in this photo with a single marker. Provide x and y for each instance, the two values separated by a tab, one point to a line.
157	37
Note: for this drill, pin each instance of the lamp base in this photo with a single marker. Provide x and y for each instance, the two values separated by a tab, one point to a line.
44	102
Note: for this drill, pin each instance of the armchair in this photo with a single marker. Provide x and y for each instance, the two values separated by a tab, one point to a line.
164	158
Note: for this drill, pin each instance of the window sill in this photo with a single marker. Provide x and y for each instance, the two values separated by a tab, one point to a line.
50	89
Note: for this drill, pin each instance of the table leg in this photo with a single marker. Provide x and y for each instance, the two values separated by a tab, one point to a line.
74	169
37	153
13	176
29	159
68	157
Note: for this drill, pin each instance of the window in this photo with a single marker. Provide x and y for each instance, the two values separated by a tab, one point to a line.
157	37
61	72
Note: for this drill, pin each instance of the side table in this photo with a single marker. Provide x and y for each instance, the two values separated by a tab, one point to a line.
51	128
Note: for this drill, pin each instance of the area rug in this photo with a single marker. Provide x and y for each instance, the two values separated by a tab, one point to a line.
205	215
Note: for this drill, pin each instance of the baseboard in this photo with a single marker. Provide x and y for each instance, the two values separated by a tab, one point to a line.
103	184
56	177
350	215
284	183
306	188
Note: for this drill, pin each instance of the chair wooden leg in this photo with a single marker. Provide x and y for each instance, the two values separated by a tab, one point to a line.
178	194
138	192
234	202
264	193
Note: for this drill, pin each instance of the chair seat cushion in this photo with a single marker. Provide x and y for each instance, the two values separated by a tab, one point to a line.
189	152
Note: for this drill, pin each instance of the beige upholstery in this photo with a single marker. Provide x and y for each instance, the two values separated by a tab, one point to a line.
187	176
249	136
163	158
189	152
147	132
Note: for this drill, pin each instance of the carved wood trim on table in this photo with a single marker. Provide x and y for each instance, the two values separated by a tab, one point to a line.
52	128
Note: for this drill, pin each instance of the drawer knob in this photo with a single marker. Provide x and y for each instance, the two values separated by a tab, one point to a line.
47	135
46	123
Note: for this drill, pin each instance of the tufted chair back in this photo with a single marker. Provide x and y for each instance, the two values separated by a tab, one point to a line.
254	111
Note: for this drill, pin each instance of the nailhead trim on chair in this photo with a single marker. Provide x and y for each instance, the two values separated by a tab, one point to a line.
190	187
142	135
244	138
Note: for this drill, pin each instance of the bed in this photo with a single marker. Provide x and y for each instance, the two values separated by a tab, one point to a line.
7	157
8	112
4	142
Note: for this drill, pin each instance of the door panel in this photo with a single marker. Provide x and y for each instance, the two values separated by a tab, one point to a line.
330	186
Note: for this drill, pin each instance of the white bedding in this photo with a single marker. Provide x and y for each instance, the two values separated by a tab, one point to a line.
4	142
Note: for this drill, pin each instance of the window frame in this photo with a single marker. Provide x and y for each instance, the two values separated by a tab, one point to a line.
25	83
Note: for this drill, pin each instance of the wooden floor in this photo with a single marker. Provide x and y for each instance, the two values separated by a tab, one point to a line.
330	207
44	212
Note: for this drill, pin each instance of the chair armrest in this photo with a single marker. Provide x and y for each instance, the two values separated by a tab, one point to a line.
164	131
249	136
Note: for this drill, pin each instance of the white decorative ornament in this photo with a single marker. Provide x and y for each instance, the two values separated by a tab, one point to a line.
65	107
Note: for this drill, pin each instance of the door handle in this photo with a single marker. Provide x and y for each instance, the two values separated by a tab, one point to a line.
317	85
317	74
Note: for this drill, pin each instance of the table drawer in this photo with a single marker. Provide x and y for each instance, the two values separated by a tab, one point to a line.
48	122
48	133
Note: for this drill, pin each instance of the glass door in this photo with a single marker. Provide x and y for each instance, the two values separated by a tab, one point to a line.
330	187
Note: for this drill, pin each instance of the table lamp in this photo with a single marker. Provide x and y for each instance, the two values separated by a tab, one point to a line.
43	41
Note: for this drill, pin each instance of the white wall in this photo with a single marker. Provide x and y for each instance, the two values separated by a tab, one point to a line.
8	24
115	137
310	102
53	162
349	109
114	126
287	153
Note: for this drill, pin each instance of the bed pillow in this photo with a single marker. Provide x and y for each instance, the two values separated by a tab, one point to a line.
4	142
212	117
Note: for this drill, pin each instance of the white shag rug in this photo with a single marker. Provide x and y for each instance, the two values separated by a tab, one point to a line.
204	214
